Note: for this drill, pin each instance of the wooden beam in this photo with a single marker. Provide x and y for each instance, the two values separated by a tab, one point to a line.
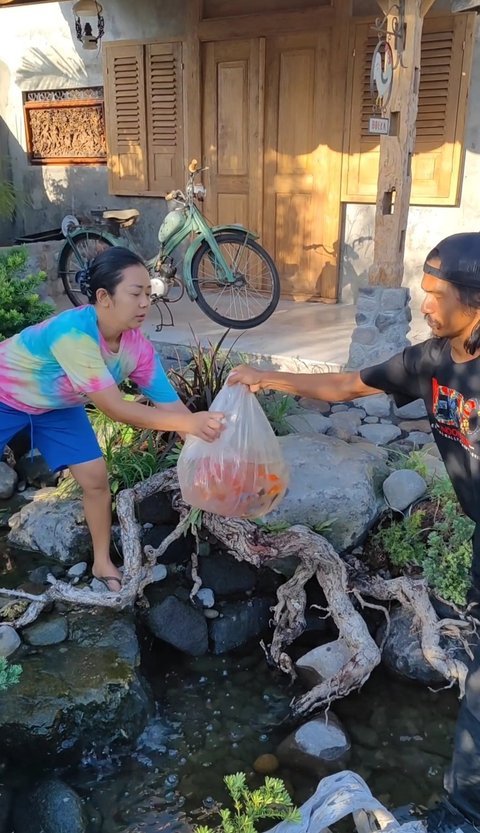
192	74
396	150
264	24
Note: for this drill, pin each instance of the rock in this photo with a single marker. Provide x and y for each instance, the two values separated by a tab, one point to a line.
78	570
157	510
5	805
8	481
418	438
50	631
314	405
210	613
370	420
332	480
413	410
266	764
40	574
159	572
206	597
380	434
378	405
179	624
349	421
238	624
416	425
435	468
340	407
9	640
402	488
34	470
323	662
308	421
81	695
53	526
402	652
51	807
179	550
225	575
319	746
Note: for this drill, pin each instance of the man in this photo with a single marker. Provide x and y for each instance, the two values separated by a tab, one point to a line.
444	371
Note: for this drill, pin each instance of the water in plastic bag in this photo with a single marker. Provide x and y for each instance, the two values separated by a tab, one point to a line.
243	473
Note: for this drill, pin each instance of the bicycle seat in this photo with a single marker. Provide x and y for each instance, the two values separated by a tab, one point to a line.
126	217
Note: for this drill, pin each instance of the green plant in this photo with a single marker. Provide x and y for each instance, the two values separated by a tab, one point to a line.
9	674
7	200
204	376
437	539
271	801
20	305
277	407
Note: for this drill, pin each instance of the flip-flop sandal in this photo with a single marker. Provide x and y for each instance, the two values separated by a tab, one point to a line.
105	579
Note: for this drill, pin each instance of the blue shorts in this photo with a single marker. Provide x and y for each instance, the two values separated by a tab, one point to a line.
65	437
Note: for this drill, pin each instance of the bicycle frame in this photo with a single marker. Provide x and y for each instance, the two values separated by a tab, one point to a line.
196	224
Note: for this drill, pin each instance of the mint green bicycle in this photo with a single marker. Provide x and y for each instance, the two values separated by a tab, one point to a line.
230	276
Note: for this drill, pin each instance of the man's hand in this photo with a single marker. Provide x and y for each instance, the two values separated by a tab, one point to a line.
207	425
245	375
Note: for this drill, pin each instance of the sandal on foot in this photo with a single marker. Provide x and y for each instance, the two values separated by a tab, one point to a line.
105	580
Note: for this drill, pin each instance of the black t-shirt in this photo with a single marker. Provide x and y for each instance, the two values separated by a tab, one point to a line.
451	393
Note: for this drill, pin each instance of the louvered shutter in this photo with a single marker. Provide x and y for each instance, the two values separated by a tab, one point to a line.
164	116
444	81
125	118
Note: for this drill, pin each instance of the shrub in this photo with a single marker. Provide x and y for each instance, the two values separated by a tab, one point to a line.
436	539
271	801
20	305
204	376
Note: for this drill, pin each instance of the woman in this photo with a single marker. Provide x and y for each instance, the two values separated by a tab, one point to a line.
49	371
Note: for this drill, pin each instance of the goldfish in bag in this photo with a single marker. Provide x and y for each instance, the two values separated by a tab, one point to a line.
243	473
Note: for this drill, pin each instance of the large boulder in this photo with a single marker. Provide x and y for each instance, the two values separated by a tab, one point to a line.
81	694
331	480
50	807
179	624
8	481
53	526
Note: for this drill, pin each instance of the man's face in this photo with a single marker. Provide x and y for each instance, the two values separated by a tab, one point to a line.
444	314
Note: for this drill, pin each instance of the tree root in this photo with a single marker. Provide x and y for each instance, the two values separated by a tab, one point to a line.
339	581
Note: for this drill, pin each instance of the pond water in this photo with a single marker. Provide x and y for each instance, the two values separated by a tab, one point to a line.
216	715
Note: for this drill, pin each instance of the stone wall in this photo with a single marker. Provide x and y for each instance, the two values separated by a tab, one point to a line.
383	320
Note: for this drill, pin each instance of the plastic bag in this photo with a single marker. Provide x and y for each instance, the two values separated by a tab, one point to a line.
242	474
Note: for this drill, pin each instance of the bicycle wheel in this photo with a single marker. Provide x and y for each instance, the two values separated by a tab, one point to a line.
254	294
88	244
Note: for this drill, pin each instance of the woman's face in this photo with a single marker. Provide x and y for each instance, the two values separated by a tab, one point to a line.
130	302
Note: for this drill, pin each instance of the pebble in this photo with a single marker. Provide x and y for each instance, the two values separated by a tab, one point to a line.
380	434
341	406
77	570
370	420
206	596
159	572
266	764
418	438
210	613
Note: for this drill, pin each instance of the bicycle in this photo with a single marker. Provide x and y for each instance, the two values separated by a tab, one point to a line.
229	275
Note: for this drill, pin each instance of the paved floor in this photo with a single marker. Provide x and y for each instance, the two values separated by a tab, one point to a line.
296	334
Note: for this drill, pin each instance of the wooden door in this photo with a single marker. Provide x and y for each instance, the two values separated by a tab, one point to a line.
298	228
233	131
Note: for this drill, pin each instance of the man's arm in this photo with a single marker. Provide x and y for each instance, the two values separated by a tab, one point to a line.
331	387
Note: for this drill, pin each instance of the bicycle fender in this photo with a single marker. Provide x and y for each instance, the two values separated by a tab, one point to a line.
194	247
115	241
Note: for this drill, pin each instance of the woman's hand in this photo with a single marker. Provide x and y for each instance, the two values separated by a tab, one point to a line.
245	375
207	425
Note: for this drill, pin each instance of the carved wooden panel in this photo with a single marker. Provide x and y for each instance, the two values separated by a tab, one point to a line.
63	128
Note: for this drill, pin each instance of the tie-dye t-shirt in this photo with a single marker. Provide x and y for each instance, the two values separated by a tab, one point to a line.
58	363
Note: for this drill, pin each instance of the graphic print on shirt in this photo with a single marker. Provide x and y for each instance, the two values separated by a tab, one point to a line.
457	418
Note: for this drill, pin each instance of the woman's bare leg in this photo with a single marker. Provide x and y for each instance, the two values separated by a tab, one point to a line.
93	480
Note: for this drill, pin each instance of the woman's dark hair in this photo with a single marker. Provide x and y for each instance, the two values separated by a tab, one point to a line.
105	271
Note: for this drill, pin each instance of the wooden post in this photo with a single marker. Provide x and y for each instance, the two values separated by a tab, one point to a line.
396	150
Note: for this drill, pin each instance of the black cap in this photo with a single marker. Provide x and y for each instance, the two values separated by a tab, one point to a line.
459	257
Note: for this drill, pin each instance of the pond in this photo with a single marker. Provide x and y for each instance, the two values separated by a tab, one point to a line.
216	715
